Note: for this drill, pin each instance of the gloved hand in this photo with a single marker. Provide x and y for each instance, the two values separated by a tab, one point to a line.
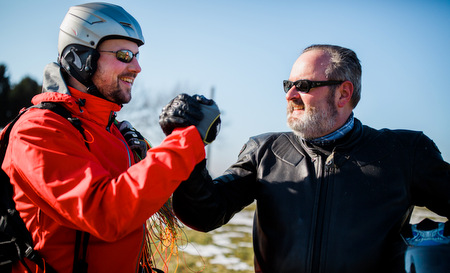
197	110
209	127
135	140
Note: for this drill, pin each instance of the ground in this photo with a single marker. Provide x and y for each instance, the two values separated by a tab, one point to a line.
229	248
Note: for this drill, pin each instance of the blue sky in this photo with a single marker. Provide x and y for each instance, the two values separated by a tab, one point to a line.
245	49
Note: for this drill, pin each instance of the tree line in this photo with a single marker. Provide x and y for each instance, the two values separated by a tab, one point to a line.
14	97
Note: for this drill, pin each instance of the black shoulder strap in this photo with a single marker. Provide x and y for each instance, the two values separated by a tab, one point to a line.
62	111
80	264
79	259
20	241
54	107
5	138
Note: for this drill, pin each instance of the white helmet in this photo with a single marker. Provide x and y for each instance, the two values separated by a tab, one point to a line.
89	24
84	27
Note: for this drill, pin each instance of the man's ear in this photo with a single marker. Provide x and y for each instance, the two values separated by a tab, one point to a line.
345	92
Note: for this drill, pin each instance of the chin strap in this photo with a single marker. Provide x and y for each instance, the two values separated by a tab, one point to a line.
93	90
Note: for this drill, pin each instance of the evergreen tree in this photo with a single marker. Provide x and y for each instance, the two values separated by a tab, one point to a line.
15	98
21	95
5	89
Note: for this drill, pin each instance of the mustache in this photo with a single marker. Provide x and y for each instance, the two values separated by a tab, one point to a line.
129	75
295	103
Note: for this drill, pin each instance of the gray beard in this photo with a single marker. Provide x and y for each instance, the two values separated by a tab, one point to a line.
314	123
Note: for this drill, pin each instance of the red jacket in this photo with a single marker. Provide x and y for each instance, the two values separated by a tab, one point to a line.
61	186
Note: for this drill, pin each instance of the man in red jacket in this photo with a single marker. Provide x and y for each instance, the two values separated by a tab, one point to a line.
63	185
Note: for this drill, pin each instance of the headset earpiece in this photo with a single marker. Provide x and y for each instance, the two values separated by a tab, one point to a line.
80	62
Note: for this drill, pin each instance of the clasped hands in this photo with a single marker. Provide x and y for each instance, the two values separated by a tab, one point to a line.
185	110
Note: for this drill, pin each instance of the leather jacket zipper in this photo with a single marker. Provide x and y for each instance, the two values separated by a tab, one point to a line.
320	218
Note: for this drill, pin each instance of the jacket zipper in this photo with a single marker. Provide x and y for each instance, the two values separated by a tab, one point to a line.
322	188
112	117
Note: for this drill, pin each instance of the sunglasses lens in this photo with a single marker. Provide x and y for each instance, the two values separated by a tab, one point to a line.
302	86
124	56
287	85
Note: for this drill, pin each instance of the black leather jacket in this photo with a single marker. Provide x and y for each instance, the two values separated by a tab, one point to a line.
329	209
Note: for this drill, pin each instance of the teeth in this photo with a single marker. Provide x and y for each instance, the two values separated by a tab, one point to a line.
298	107
129	80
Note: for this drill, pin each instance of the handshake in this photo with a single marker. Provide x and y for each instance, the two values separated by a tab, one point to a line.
185	110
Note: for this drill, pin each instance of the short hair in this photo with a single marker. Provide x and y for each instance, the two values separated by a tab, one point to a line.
344	65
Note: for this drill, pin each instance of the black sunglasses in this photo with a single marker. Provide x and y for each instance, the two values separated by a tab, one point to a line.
305	85
123	55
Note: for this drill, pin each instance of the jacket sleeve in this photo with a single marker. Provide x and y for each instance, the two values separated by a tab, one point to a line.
205	204
431	178
66	181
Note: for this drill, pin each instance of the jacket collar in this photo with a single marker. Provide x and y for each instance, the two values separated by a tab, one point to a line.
83	105
345	143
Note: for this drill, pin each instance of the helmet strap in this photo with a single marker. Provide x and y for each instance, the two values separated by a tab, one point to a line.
93	90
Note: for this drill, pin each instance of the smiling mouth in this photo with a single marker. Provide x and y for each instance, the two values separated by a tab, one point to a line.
127	79
296	107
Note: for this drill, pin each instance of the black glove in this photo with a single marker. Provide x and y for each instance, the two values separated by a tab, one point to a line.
185	110
135	140
209	127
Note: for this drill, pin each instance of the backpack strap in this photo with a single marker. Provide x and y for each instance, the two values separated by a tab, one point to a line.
79	258
21	247
5	136
80	264
62	111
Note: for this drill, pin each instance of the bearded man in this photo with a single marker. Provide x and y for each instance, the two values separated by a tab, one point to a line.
331	196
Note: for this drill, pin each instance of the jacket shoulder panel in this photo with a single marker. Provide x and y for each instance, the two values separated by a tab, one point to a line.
378	144
281	144
284	149
254	143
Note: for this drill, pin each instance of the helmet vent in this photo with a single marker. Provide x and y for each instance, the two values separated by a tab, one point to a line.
126	24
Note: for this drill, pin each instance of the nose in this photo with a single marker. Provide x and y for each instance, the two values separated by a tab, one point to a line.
292	94
134	66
